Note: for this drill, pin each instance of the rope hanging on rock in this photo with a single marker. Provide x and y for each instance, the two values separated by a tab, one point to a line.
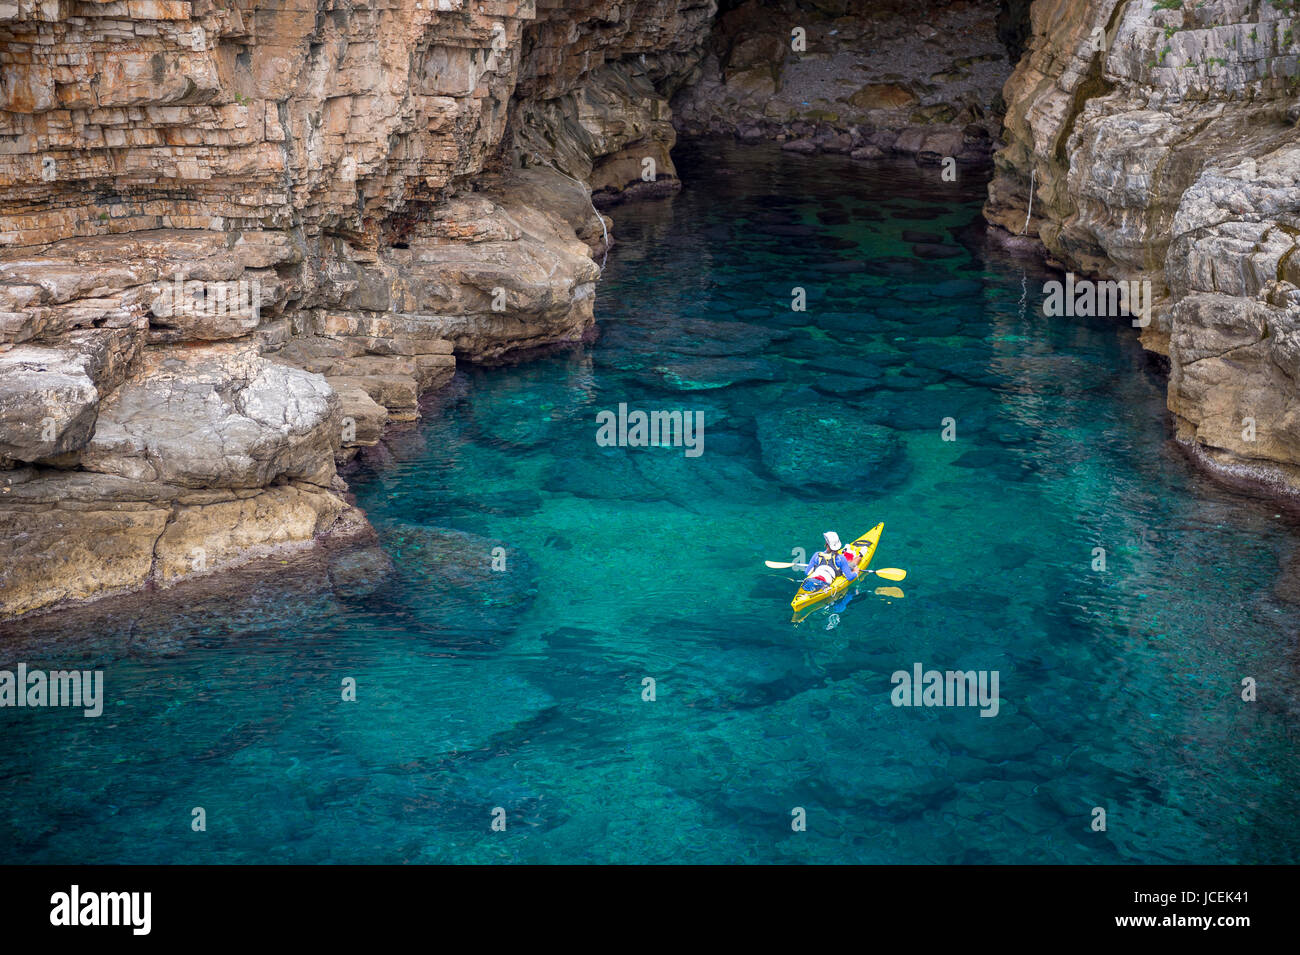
1033	177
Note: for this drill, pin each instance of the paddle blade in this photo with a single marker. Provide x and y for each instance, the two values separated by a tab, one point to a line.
890	573
776	565
894	592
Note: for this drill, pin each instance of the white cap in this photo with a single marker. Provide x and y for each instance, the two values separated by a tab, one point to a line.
832	540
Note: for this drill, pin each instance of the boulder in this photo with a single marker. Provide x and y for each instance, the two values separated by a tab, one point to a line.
883	96
74	536
831	446
806	146
48	402
217	416
450	586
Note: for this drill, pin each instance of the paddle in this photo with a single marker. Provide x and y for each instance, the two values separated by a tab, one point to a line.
889	573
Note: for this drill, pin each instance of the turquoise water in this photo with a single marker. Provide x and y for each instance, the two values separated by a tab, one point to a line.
523	690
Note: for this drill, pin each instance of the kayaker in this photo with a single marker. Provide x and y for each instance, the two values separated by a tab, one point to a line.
830	563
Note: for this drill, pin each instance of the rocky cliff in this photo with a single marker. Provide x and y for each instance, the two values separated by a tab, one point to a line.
871	78
237	237
1158	141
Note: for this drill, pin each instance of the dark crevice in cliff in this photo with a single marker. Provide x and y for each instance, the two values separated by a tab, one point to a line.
1093	84
1014	27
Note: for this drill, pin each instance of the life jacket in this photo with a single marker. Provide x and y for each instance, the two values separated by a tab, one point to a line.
821	560
829	564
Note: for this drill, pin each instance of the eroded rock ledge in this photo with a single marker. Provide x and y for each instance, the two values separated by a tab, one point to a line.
238	238
1159	141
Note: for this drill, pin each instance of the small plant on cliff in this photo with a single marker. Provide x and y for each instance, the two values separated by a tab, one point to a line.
1169	4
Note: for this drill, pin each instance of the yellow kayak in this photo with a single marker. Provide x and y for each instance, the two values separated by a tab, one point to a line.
865	548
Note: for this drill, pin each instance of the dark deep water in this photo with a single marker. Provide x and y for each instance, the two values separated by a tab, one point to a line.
1119	689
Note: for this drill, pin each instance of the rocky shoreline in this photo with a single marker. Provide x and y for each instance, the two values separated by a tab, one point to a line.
237	244
1159	143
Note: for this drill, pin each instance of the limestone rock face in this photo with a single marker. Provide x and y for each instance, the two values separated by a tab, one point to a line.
594	88
216	417
1159	143
237	239
73	536
48	402
70	536
615	134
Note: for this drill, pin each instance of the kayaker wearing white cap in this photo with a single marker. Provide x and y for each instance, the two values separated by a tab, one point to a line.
828	564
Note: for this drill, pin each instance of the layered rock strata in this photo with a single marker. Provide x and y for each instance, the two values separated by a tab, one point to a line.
1158	141
238	238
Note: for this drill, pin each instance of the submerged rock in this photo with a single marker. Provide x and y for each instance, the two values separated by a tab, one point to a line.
934	251
694	337
449	585
834	217
708	373
829	447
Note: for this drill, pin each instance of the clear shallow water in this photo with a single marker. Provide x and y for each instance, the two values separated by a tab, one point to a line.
1119	689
